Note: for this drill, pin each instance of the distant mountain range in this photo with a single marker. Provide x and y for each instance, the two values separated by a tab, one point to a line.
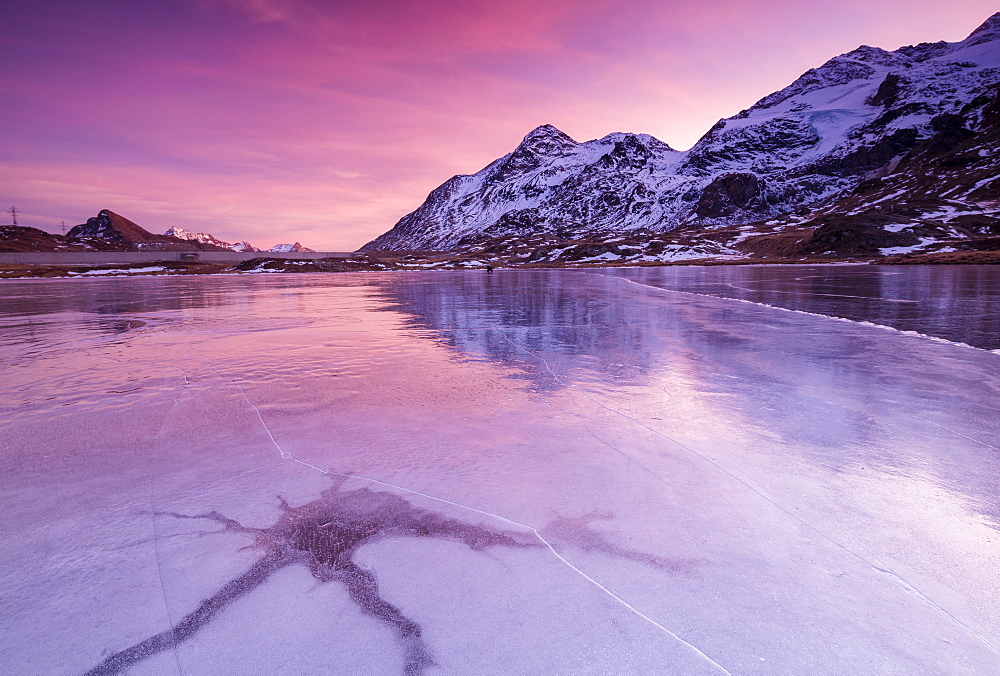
874	152
109	231
205	238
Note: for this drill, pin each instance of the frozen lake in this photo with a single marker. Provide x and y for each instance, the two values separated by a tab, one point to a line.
525	472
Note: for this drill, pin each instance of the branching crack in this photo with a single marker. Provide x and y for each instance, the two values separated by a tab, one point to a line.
323	535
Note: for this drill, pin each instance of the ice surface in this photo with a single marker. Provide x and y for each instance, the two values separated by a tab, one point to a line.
558	472
956	303
121	271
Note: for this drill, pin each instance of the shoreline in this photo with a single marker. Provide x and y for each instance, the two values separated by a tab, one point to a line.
368	263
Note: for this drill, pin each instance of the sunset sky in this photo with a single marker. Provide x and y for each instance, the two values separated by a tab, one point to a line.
326	121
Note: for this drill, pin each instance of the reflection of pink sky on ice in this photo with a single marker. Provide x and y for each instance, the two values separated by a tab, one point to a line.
743	482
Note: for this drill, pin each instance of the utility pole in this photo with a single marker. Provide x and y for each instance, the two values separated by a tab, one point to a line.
13	214
64	228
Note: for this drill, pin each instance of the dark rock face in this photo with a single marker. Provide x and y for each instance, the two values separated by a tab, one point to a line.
888	91
925	51
869	158
951	131
629	153
110	226
728	193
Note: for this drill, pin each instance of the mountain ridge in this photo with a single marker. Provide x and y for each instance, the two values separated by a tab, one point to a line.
109	231
206	238
795	150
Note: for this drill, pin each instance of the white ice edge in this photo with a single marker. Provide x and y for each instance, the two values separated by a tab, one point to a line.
857	322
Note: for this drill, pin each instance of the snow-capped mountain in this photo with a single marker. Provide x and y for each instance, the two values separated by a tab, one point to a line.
853	120
288	248
206	238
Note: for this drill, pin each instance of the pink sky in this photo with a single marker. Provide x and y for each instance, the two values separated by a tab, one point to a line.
326	121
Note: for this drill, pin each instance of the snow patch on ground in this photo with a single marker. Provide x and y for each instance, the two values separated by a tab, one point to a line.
122	271
896	227
896	250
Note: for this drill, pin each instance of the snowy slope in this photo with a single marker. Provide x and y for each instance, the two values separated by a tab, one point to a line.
837	125
289	248
206	238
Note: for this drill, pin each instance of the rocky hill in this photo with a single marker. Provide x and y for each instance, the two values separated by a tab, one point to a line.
22	238
872	152
108	231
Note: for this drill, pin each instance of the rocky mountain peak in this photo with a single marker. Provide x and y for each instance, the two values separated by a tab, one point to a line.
180	233
546	140
837	71
109	225
629	151
650	142
289	248
540	146
207	238
925	51
875	56
990	28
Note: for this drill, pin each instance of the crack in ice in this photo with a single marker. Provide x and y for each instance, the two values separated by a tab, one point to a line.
956	433
534	531
156	535
907	586
324	535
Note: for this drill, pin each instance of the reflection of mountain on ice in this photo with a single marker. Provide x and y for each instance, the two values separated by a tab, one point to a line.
515	319
509	318
612	338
